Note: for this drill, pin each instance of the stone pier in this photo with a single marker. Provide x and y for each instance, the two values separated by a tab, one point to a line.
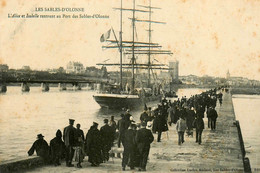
45	87
220	150
3	88
62	86
25	87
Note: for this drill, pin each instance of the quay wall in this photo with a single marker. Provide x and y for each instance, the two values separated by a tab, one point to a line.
246	161
21	164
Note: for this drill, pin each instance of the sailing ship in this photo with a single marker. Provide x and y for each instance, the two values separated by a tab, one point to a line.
132	96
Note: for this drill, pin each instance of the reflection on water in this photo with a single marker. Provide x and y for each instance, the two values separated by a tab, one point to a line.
247	110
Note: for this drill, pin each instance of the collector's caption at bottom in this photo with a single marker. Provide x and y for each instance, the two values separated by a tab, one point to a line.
211	170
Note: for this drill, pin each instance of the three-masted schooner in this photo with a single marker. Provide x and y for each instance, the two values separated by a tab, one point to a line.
134	97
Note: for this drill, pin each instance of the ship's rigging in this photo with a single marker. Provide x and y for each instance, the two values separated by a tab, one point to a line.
134	47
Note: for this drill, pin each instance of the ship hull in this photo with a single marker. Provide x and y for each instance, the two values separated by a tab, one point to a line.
116	101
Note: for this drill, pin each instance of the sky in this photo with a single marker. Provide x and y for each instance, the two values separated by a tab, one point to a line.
207	37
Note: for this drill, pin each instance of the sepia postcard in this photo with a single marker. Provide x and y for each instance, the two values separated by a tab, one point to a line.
88	62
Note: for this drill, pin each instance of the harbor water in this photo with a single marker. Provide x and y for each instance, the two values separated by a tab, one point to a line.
24	115
247	111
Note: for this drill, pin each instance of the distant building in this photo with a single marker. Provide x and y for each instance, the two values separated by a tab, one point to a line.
26	68
4	67
228	75
174	72
75	67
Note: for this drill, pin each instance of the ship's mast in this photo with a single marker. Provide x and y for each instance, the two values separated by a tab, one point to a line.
149	52
133	49
121	51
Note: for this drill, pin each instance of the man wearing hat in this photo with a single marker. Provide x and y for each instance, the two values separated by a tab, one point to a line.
107	137
41	147
143	138
69	140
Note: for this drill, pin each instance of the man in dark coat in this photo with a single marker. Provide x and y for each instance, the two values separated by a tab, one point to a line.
144	116
121	126
69	140
127	118
214	116
129	148
112	124
220	98
107	134
94	145
41	147
189	121
160	124
143	138
57	148
199	125
209	116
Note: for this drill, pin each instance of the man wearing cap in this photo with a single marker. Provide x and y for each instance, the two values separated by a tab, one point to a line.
107	135
41	147
143	138
69	140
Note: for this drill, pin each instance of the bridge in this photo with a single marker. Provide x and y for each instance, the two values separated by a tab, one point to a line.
75	81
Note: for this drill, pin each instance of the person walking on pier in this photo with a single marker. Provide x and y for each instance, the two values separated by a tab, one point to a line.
57	148
112	124
220	95
144	117
214	116
94	145
209	116
160	123
127	118
181	127
129	148
189	120
143	138
79	145
69	140
121	126
41	147
199	125
107	134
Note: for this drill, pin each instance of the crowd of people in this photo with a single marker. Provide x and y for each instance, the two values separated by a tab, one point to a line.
185	113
